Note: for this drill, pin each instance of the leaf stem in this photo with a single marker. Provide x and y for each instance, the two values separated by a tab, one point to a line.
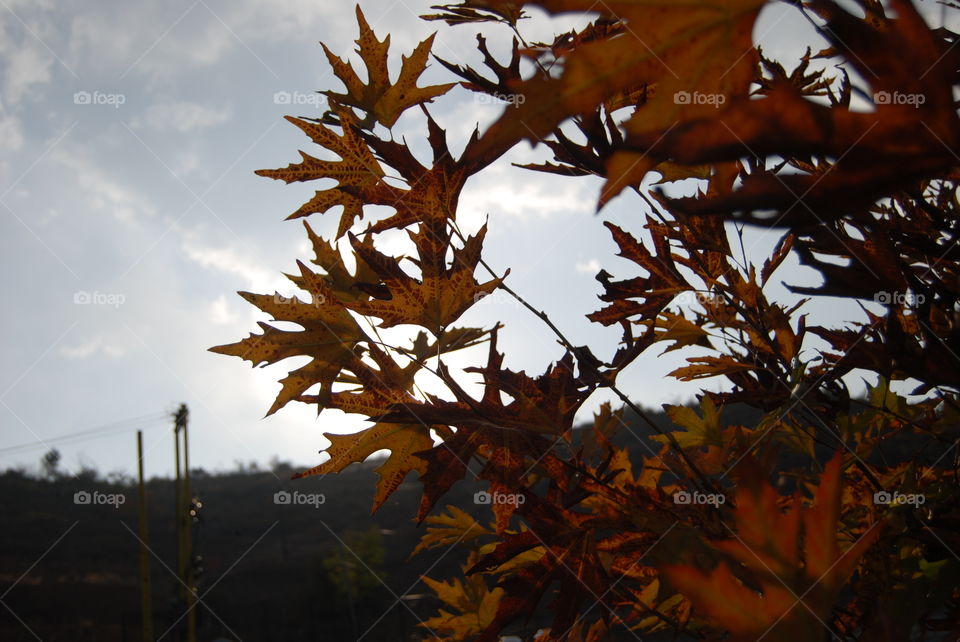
540	314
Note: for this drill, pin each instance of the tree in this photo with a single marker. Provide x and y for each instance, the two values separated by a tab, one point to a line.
50	462
695	538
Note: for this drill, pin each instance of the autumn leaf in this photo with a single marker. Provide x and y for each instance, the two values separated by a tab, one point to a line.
690	49
542	405
704	367
402	440
357	169
794	601
697	431
473	602
597	439
654	292
508	436
683	332
570	560
878	152
473	11
382	100
329	335
456	527
381	390
435	300
780	254
344	284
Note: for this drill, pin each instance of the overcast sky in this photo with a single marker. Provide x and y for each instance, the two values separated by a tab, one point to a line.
129	133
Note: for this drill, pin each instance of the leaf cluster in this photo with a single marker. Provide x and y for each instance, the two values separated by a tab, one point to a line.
778	530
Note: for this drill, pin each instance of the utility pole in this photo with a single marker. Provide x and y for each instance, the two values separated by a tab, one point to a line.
184	498
146	591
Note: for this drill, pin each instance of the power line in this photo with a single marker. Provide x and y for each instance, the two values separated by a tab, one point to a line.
75	439
103	430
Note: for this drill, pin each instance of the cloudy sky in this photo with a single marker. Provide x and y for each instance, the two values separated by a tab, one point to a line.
129	133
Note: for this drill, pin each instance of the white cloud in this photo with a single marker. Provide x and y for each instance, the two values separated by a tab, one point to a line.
11	133
121	201
90	348
231	261
153	39
161	40
25	68
588	267
181	116
220	312
505	191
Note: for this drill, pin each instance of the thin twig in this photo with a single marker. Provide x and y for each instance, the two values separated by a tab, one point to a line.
706	485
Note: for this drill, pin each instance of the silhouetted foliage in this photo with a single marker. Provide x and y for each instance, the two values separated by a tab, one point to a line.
800	525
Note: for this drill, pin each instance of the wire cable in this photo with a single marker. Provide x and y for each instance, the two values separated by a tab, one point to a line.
104	430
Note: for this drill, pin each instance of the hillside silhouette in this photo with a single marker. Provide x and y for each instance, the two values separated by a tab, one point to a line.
270	571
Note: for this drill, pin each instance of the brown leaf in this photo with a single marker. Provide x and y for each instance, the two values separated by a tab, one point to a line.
382	100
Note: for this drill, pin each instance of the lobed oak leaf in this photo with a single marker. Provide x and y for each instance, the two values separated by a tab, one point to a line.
342	283
472	11
698	431
670	326
703	367
791	569
571	561
434	301
878	153
655	291
506	74
357	169
597	439
432	194
402	440
474	603
704	48
382	100
780	253
541	406
329	336
509	436
444	530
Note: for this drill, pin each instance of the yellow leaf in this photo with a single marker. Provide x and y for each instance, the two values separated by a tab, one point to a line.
459	527
475	605
357	169
402	440
383	101
329	335
698	431
439	297
681	330
704	367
